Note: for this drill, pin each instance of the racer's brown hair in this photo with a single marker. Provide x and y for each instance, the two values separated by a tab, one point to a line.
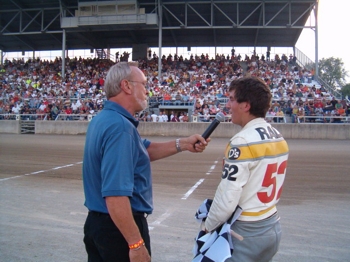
254	91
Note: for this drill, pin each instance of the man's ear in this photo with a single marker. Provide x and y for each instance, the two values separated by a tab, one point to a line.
245	106
125	86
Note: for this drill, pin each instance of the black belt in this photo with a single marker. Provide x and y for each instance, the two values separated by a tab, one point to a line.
135	214
100	214
141	214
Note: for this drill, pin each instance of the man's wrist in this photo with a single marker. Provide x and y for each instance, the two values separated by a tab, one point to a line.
137	246
177	145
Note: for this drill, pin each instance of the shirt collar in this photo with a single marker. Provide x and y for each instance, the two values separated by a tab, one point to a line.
109	105
253	122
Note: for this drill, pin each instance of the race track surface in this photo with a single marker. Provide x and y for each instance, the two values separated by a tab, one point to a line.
42	202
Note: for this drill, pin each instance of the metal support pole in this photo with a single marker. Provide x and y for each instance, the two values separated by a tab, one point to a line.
63	53
160	79
316	42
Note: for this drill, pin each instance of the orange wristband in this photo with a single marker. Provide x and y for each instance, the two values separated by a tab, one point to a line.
137	245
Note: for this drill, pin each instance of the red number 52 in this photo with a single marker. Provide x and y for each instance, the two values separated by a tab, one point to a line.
270	180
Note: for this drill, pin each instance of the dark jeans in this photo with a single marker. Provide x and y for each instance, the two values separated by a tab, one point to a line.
105	243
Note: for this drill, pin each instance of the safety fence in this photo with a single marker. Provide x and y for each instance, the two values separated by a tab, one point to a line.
194	118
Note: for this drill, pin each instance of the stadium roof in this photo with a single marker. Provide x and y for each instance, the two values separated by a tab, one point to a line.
28	25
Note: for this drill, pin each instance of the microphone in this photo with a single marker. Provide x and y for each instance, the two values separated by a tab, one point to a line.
220	117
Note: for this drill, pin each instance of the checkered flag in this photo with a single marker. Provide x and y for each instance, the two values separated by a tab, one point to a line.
215	246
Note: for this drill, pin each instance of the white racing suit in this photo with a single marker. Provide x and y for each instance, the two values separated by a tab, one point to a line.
253	173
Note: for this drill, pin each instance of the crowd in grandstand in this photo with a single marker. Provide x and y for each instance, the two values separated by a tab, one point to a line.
37	87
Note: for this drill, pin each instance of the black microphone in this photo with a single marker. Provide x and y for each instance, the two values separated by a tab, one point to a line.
220	117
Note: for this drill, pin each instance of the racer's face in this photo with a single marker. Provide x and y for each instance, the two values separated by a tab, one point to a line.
235	109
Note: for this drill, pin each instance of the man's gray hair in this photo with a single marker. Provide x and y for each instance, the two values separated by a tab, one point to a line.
115	75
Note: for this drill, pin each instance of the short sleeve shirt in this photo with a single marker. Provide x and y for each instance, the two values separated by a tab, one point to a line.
116	161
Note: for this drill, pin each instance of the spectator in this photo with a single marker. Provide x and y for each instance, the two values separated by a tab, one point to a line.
172	115
75	107
185	117
328	107
205	109
341	111
301	115
178	99
154	117
54	112
68	111
175	118
295	113
206	117
167	98
85	80
280	115
347	111
160	117
181	116
165	117
270	115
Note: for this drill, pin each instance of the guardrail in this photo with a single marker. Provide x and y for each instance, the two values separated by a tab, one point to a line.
24	117
74	117
198	118
202	118
323	119
276	119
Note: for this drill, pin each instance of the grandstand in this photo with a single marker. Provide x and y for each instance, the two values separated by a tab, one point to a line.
72	88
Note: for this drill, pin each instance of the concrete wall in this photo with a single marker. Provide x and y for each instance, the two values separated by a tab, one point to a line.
314	131
301	131
10	127
185	129
61	127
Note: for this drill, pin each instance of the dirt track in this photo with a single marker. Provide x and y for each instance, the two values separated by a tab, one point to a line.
42	211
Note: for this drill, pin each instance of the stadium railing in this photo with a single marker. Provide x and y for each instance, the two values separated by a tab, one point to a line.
201	118
276	119
197	118
23	117
323	119
74	117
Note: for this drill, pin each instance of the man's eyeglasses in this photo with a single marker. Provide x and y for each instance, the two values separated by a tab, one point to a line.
142	83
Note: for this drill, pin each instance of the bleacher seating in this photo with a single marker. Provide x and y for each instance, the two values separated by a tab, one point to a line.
37	87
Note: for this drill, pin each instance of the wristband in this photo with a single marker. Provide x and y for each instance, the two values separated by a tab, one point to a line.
135	249
137	245
177	144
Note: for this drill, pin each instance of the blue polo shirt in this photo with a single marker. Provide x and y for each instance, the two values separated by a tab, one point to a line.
116	161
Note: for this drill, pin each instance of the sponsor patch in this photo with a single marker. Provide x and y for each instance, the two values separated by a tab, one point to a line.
234	153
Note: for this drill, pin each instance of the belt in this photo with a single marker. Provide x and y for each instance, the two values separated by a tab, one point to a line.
140	214
135	214
100	214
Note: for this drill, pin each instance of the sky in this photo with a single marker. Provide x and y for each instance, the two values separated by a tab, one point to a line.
333	37
332	40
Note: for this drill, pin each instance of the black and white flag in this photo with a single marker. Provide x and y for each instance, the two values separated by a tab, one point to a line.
214	246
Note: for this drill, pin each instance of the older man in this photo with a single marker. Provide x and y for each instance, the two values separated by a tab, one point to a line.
117	173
